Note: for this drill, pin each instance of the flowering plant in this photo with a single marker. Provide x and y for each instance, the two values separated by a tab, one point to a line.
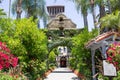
6	59
113	54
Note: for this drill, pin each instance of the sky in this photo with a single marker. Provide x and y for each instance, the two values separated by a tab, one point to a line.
70	12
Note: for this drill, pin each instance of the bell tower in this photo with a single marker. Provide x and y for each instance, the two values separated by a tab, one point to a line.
54	10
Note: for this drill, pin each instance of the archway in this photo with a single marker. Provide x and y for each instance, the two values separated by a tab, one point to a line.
63	62
63	51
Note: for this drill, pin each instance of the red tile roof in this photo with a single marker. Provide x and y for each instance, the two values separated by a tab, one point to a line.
101	37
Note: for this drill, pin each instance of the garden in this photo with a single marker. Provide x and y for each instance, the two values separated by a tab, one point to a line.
27	54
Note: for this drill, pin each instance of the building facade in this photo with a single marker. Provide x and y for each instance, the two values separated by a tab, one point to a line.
58	21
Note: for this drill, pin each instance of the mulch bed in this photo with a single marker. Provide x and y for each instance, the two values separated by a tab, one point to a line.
48	72
81	76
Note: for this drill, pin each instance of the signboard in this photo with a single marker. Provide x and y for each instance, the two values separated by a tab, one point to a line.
109	69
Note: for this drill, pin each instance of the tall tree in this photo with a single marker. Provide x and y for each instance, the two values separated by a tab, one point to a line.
2	14
109	6
92	3
35	8
101	8
0	1
115	5
111	21
18	9
9	7
83	6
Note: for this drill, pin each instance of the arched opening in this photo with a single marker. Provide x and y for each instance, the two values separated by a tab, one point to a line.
62	52
63	62
61	19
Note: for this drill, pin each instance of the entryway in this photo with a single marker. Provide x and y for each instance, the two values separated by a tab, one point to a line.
63	62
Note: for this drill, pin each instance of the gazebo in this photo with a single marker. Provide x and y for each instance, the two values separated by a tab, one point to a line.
101	42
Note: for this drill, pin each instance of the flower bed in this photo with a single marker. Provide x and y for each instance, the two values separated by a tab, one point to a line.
113	54
6	59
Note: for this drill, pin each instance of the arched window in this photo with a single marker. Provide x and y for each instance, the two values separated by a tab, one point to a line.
61	19
64	49
60	50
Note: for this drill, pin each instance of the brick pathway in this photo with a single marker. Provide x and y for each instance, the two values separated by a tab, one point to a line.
62	74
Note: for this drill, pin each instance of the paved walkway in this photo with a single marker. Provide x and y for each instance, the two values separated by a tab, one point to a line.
62	74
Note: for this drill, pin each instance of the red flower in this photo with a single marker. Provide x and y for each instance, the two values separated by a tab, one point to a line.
1	67
113	54
109	59
14	61
115	63
7	65
6	59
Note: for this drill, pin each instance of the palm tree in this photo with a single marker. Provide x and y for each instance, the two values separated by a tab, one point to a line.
112	5
111	21
101	8
17	8
83	5
2	14
109	6
115	5
9	7
35	8
92	2
0	1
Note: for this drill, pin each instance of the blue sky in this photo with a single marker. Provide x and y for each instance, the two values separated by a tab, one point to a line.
70	11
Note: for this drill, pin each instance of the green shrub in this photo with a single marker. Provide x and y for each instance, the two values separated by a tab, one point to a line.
4	76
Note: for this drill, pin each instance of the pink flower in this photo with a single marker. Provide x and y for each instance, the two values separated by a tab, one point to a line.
6	59
109	59
1	67
0	43
113	54
14	61
115	63
7	64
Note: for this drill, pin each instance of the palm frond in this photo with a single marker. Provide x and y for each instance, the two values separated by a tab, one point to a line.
2	14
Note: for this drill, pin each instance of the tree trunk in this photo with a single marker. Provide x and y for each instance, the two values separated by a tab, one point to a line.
102	14
102	9
29	12
44	22
93	12
85	20
35	15
109	6
19	11
9	8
